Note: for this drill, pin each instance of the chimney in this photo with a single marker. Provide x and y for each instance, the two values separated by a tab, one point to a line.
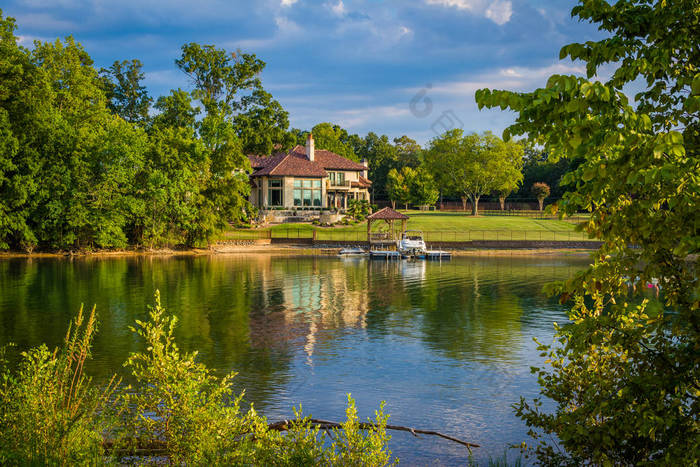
364	162
310	153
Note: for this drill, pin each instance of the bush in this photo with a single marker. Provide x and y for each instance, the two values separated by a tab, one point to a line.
50	412
176	411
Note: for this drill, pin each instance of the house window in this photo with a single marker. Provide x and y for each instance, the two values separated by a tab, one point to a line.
274	192
307	192
337	178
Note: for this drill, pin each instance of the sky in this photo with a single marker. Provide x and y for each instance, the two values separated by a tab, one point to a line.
393	67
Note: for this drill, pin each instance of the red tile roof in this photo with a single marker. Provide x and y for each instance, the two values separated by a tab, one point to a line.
295	163
292	165
387	214
330	160
361	183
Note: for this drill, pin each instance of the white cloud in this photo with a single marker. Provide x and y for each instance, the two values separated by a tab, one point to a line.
287	30
459	4
338	9
513	78
288	2
498	11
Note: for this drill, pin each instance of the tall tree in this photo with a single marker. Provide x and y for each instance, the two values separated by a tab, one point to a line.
470	166
334	138
219	80
89	156
422	188
381	156
398	186
510	175
22	102
262	124
218	76
128	98
625	375
409	152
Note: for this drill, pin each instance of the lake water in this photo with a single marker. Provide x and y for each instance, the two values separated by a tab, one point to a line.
447	345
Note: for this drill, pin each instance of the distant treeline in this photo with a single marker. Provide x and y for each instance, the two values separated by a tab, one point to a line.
88	159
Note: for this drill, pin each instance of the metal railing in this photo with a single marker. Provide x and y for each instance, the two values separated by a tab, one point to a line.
431	236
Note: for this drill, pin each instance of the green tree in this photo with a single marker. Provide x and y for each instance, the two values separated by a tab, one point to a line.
127	97
511	174
89	155
398	186
423	189
470	166
219	76
22	103
538	167
381	157
334	138
409	152
262	124
176	110
624	377
540	191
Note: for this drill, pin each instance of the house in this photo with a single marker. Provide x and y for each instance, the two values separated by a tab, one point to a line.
307	178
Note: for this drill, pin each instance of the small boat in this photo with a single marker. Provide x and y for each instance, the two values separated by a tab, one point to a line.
352	252
412	244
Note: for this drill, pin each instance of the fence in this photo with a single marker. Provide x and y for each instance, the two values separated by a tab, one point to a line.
443	236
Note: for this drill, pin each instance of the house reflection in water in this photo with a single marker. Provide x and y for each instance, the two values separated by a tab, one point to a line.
301	300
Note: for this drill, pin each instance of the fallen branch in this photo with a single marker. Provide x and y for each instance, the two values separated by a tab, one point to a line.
328	425
151	447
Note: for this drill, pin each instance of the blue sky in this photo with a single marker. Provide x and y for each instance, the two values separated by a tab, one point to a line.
358	63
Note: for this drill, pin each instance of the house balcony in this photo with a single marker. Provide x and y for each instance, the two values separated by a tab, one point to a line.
338	186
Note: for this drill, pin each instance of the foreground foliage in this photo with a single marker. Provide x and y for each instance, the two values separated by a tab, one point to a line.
625	376
176	410
50	412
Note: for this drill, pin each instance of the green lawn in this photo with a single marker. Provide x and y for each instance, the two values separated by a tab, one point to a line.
436	226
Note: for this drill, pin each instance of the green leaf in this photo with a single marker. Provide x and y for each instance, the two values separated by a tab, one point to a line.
695	87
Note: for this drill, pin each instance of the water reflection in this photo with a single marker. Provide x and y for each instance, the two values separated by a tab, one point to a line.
448	342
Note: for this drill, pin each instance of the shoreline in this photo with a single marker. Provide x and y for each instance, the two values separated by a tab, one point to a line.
288	249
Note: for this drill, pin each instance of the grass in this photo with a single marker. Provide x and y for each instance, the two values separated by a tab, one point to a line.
436	226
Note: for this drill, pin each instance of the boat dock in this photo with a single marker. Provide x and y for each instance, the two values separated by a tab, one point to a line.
428	254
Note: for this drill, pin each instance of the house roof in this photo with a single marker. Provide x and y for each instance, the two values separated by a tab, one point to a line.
295	163
387	214
290	165
329	160
361	183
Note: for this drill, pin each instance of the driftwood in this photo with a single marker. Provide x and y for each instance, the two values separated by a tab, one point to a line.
328	425
158	447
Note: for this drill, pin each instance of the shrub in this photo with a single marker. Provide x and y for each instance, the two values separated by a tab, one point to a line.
179	406
176	411
50	412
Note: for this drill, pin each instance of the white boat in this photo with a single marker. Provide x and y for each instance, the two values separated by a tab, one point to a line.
352	252
412	243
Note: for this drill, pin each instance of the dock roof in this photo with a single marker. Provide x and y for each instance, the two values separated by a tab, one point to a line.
387	214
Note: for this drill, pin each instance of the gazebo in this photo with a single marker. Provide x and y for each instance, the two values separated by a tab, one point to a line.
387	215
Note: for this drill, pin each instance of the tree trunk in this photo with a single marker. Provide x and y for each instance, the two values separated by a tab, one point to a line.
393	204
502	200
541	201
475	204
464	203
